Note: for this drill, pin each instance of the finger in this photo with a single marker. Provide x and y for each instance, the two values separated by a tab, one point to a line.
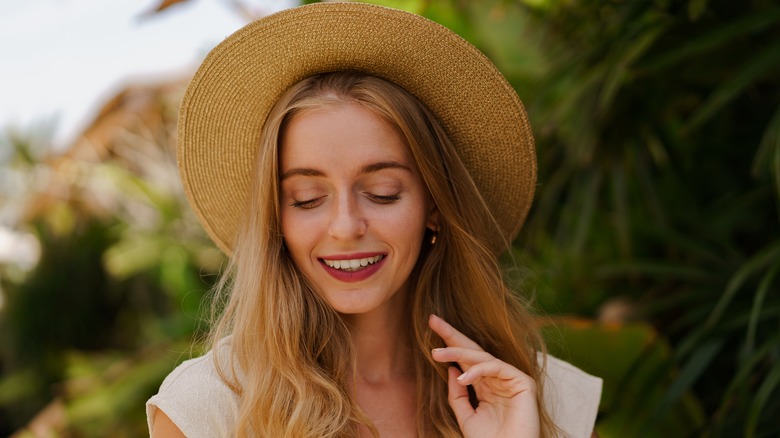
458	397
451	336
508	380
503	379
463	356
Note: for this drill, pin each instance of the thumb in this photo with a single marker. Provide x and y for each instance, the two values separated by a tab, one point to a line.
458	397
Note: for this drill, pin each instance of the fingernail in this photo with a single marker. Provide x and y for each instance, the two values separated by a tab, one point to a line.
462	376
436	350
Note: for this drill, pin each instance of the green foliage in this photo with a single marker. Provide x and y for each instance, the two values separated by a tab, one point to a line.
108	391
654	120
89	332
636	366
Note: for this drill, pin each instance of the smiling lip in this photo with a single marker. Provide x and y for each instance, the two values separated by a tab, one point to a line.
369	264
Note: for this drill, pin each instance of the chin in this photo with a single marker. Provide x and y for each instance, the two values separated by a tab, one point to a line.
355	305
352	308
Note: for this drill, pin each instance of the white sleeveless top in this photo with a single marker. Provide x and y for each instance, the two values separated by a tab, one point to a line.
194	397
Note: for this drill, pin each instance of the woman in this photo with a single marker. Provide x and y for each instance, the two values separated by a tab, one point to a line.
363	168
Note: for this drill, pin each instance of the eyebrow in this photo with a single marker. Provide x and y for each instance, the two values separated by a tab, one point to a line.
301	172
369	168
375	167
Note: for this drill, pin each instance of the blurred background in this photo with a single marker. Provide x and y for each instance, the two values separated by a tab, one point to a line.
652	249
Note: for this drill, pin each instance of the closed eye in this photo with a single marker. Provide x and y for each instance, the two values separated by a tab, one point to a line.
380	199
307	204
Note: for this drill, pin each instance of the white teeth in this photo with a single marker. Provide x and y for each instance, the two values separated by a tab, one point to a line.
353	264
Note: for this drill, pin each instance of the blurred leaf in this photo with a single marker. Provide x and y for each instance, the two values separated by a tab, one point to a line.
716	38
740	381
758	309
618	71
162	5
114	398
698	362
768	386
621	216
750	267
768	155
635	364
696	8
415	6
20	385
761	64
657	269
133	256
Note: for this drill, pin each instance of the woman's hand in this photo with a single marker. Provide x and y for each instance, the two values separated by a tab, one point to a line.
507	396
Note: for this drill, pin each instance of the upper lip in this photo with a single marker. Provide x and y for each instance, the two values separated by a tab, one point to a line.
353	256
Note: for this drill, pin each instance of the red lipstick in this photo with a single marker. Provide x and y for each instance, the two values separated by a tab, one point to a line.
357	275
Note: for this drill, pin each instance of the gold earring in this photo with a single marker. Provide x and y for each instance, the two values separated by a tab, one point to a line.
433	237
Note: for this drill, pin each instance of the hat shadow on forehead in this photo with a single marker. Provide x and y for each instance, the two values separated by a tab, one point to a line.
230	96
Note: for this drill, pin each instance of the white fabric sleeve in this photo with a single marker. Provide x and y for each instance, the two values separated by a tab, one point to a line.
571	397
195	398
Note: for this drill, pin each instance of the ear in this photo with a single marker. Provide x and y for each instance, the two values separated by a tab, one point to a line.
433	218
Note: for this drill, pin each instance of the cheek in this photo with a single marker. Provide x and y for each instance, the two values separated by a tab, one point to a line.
410	225
297	235
405	226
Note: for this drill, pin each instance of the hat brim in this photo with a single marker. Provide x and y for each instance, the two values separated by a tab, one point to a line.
231	94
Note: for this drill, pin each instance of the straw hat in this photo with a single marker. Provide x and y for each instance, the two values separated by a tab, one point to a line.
226	104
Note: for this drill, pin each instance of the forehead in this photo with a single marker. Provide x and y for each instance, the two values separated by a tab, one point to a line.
339	135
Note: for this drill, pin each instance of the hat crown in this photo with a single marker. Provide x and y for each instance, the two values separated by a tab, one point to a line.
231	94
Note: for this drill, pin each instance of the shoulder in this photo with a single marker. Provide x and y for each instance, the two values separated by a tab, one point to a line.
571	397
196	399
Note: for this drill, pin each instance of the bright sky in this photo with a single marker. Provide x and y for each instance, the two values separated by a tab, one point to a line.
60	59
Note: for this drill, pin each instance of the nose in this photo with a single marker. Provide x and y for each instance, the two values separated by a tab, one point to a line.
347	221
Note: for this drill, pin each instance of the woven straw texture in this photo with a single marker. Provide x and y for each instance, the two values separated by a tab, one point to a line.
226	104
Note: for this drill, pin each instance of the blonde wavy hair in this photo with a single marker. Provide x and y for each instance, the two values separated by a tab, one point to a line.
289	356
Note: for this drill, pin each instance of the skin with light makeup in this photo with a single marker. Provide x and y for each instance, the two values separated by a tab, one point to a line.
354	214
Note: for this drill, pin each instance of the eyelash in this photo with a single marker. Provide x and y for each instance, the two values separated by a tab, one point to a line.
379	199
384	199
309	203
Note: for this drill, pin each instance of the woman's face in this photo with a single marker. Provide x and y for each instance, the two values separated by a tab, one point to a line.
354	209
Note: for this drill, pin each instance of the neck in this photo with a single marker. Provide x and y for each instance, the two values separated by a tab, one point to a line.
381	341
